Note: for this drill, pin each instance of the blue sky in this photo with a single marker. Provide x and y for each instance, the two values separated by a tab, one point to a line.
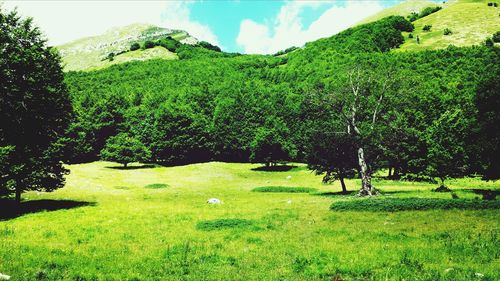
245	26
224	17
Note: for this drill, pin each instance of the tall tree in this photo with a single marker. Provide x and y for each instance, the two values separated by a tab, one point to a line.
359	97
34	108
125	149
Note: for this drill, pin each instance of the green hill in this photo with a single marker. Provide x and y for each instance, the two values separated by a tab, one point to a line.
470	22
91	53
402	9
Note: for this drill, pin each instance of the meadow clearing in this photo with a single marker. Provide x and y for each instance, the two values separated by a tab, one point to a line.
153	223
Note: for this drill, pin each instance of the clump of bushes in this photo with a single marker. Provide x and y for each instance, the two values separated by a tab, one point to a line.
425	12
283	189
427	27
410	35
156	185
135	46
412	204
219	224
149	44
442	188
447	31
493	4
496	37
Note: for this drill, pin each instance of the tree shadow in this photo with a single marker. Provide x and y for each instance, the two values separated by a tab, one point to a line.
280	168
10	210
145	166
488	194
332	194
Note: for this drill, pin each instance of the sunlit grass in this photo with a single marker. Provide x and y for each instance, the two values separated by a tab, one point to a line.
138	233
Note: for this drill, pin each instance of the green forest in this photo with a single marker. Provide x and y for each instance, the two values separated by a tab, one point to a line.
422	115
348	158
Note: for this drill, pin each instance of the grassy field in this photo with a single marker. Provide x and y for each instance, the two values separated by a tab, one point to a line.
153	223
471	22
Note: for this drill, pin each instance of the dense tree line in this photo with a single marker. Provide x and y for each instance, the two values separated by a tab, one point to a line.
347	105
423	115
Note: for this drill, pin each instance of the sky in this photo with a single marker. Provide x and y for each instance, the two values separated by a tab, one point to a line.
245	26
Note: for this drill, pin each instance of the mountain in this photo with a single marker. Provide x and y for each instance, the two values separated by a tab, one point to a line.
92	53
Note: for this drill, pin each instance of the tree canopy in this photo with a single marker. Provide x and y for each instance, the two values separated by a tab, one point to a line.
35	109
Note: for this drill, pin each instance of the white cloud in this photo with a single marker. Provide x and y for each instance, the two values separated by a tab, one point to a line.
63	21
286	29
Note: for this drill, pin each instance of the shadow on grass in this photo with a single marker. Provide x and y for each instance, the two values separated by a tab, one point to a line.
145	166
9	209
332	194
280	168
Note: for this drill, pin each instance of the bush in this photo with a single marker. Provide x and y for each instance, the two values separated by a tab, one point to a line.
489	42
412	204
223	224
442	188
447	31
410	35
156	185
496	37
149	44
135	46
427	27
283	189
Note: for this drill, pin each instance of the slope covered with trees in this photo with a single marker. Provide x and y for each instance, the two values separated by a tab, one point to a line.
214	105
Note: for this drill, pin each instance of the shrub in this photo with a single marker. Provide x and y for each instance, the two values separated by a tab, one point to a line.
447	31
412	204
427	27
410	35
489	42
219	224
496	37
442	188
135	46
156	185
283	189
149	44
111	56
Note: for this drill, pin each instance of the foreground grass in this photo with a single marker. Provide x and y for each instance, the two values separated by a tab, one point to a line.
120	228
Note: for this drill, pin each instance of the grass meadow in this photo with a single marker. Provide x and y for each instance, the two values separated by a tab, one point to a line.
153	223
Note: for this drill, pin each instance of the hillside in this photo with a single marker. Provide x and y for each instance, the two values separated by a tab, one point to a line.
92	52
471	22
402	9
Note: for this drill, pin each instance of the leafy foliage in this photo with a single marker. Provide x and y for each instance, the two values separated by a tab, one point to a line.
124	149
35	109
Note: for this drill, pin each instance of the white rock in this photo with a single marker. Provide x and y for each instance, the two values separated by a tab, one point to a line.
214	201
448	270
4	277
289	202
289	177
480	275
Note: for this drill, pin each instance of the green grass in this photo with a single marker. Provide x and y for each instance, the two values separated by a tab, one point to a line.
156	185
284	189
413	204
471	22
220	224
128	232
402	9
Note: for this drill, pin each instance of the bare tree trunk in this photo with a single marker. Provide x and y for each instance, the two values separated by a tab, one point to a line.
342	183
366	181
390	172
